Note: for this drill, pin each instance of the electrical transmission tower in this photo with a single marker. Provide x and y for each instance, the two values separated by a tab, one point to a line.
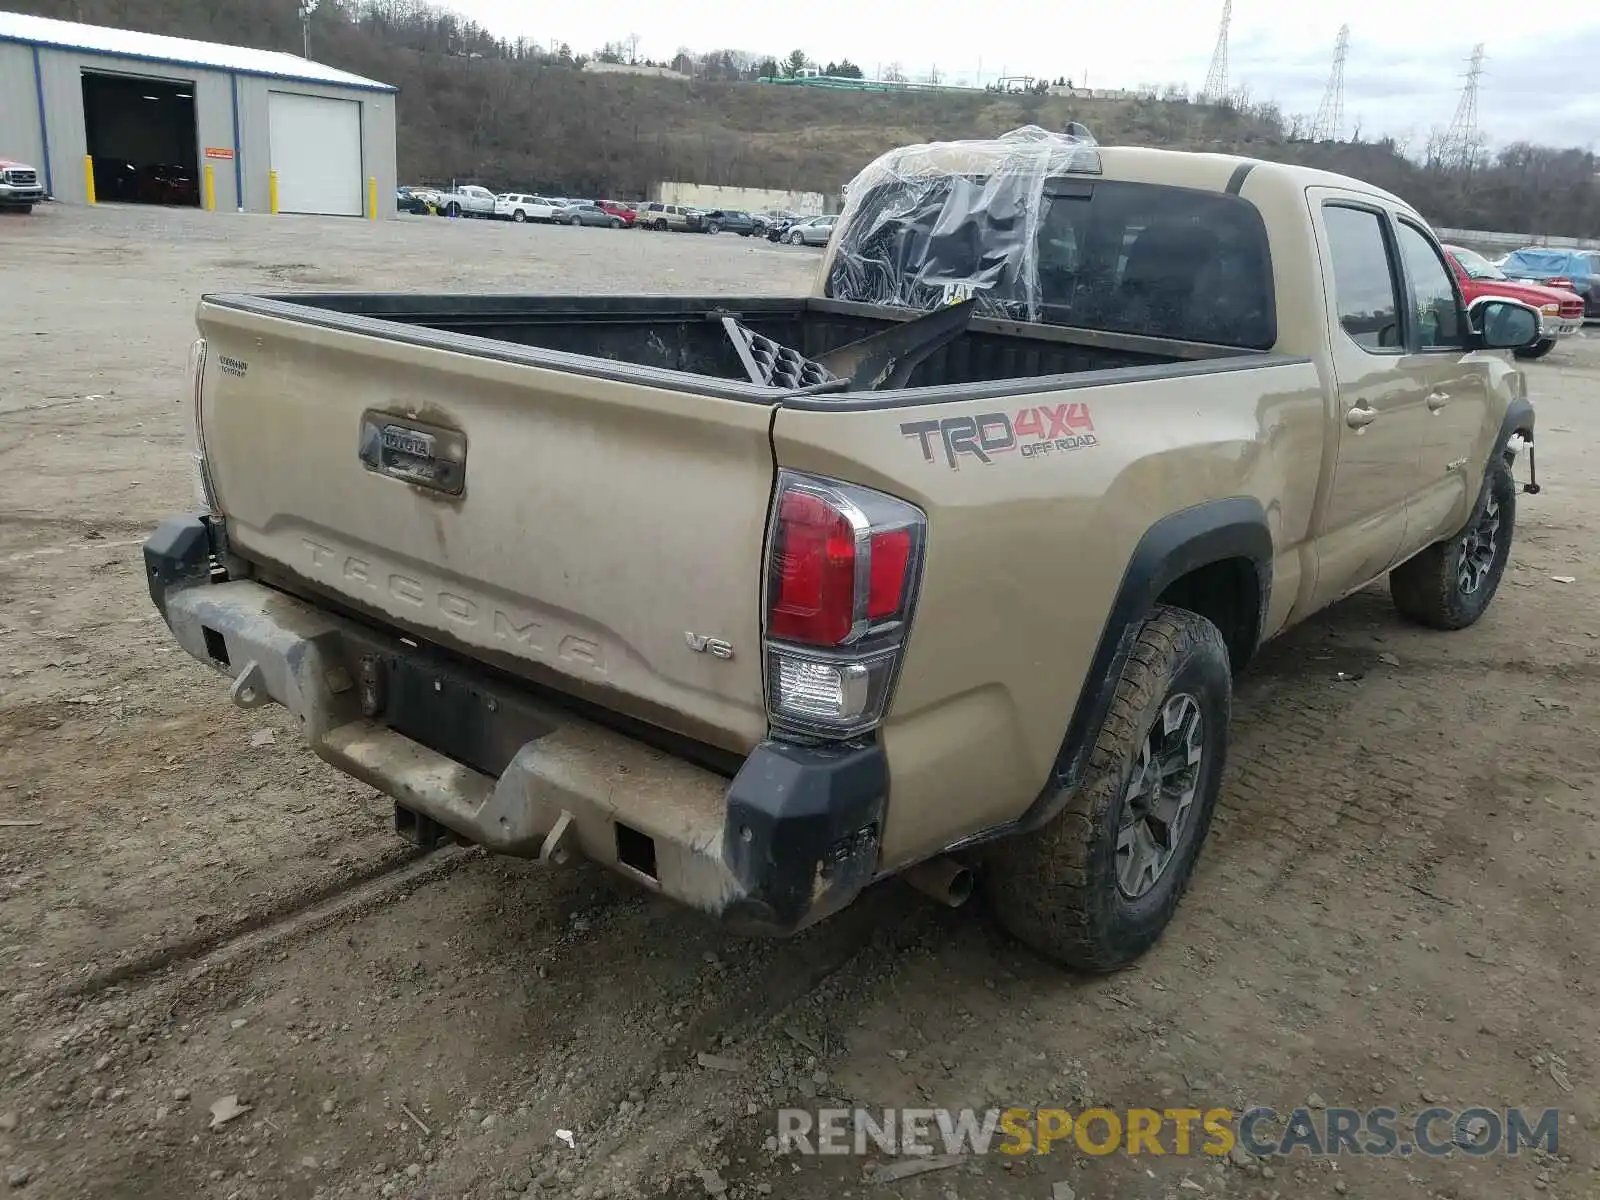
1461	146
1329	125
1216	89
307	7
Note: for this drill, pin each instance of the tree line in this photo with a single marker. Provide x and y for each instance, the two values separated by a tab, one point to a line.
522	114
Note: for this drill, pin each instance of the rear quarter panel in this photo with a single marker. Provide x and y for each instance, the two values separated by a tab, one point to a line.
1027	551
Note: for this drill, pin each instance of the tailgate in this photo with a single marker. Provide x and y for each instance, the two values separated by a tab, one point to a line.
602	528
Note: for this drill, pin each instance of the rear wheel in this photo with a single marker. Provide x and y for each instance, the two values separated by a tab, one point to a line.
519	216
795	239
1538	350
1095	887
615	222
659	227
713	227
575	221
1450	584
452	209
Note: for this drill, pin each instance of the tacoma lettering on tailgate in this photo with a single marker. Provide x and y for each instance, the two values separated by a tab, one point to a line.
473	618
1035	432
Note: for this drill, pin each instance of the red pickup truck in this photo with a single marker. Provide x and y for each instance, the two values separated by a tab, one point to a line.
1560	310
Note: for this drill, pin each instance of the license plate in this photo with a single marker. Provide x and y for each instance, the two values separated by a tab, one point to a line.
453	714
414	452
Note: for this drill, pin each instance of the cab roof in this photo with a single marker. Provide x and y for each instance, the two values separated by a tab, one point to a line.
1038	150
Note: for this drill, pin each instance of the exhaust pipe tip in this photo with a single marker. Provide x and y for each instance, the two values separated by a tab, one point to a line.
944	879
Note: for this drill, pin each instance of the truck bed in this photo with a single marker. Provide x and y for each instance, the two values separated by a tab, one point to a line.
506	476
636	337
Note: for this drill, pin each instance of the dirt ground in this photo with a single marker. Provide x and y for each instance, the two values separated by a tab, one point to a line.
1396	906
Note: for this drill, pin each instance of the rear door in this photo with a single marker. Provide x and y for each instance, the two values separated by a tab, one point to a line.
1380	406
582	532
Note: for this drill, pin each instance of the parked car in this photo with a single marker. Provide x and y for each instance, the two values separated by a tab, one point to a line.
770	579
780	224
622	210
520	207
411	201
1560	310
670	216
20	188
742	223
813	231
469	200
1575	269
589	213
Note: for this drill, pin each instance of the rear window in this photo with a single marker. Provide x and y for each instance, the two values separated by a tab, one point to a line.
1135	258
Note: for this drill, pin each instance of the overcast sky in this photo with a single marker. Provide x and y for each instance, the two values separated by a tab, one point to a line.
1403	76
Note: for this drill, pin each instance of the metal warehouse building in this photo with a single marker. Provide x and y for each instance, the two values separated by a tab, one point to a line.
145	115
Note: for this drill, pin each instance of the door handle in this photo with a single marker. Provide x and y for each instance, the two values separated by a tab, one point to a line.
1360	417
1437	400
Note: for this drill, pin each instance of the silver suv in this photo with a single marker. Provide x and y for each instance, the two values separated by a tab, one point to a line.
670	216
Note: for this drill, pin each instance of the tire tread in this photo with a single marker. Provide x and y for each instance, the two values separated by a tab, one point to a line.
1043	885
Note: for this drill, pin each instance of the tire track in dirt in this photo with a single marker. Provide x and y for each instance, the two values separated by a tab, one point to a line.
621	991
293	917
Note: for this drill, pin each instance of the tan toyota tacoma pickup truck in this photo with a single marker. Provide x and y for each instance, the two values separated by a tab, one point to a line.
942	570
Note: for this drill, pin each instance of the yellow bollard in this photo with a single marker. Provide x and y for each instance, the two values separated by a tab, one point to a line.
372	197
211	189
88	178
272	192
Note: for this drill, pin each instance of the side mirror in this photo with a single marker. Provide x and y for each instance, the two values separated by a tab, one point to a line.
1503	324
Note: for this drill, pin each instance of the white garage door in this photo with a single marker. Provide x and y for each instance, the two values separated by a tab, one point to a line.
316	151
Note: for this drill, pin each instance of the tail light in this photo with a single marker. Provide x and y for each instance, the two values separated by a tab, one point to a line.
844	563
199	473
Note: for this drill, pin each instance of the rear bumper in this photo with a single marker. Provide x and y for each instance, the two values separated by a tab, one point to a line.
793	837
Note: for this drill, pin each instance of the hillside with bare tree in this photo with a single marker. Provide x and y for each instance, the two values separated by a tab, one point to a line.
519	115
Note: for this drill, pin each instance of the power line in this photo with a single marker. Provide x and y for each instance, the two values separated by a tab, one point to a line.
1329	125
1216	88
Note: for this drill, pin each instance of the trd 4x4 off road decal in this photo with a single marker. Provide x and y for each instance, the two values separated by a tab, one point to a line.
1036	432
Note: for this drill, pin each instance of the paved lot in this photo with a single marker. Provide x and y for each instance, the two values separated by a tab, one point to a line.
1396	908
